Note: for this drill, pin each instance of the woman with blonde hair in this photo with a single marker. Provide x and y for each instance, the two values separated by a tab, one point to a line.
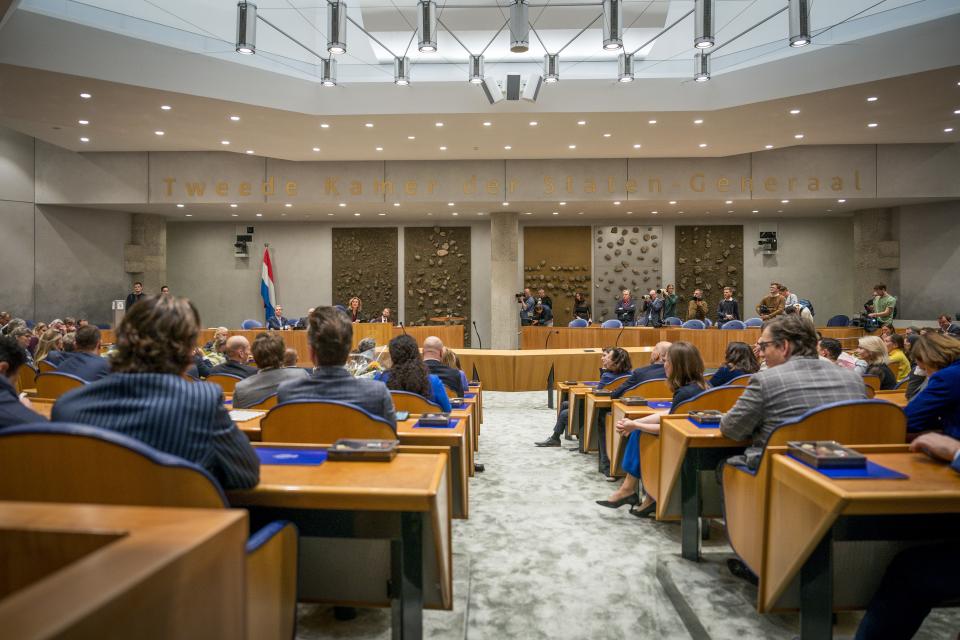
684	369
354	308
873	354
937	405
50	348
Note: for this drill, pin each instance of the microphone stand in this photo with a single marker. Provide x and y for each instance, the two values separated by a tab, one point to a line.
550	376
617	342
403	329
476	375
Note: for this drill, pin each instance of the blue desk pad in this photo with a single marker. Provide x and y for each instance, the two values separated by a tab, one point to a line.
660	405
302	457
707	425
872	471
469	395
452	424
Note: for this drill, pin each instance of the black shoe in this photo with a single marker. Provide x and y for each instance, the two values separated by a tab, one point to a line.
741	570
344	613
632	499
478	467
568	437
549	442
646	511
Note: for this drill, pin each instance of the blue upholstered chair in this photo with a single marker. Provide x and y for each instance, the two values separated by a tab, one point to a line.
739	381
73	463
673	321
53	384
839	321
613	323
578	323
250	324
413	402
226	381
717	399
753	322
733	324
708	322
693	324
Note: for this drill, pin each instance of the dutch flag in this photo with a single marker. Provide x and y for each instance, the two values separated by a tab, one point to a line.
267	290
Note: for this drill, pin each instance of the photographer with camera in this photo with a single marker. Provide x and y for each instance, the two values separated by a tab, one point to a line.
627	309
728	308
697	307
652	309
884	305
543	298
527	304
773	305
669	302
542	316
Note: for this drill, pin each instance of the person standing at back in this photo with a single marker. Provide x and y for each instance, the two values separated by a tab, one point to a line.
884	305
86	362
627	309
135	296
669	302
728	308
697	307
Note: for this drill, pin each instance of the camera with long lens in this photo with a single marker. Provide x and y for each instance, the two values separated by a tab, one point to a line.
764	309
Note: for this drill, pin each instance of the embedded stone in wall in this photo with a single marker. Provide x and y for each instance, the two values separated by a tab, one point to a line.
437	275
710	258
365	265
628	268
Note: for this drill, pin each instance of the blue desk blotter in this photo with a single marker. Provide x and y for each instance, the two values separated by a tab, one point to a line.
704	425
469	395
452	424
660	405
872	471
303	457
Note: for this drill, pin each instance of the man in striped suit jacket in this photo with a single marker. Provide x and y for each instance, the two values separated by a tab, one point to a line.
147	397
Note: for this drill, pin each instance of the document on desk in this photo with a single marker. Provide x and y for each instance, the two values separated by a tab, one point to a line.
242	415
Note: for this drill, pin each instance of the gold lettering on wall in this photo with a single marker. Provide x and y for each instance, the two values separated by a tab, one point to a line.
221	189
245	189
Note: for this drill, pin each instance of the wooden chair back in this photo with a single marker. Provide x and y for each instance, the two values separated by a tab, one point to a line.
46	367
717	399
60	462
872	381
226	381
26	378
266	404
52	385
656	388
322	422
740	381
272	582
613	384
413	403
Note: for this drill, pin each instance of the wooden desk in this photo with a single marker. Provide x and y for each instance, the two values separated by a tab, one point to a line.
687	452
477	388
615	441
897	397
459	442
96	571
811	517
381	523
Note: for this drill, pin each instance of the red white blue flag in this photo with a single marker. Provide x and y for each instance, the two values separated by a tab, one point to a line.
267	290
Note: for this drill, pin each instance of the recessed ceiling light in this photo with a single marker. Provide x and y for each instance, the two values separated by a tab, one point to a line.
794	112
651	122
443	148
369	125
556	213
259	215
629	213
507	147
411	137
679	211
580	213
84	139
729	202
673	202
235	118
234	205
872	99
506	204
798	136
534	123
85	96
224	142
381	214
768	146
698	121
288	205
657	212
572	146
606	135
454	213
636	146
948	130
617	202
730	211
249	152
487	124
283	215
872	125
956	112
755	211
429	213
479	213
842	200
83	122
581	122
343	204
829	210
316	149
180	206
159	133
528	213
703	145
166	107
331	214
779	210
324	125
379	148
396	204
784	201
234	215
357	213
188	215
450	204
438	124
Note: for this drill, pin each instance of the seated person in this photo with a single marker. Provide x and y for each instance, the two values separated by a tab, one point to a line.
795	381
948	327
652	371
13	409
917	379
918	578
409	373
613	364
279	321
937	406
684	368
899	363
829	349
238	354
216	345
738	361
147	398
86	362
330	334
872	351
268	354
23	336
542	316
433	358
799	310
50	348
451	360
290	357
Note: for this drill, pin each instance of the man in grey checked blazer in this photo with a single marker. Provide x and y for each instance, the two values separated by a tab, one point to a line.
795	381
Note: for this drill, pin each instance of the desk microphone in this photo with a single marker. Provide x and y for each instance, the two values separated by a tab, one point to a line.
617	343
402	329
479	341
547	341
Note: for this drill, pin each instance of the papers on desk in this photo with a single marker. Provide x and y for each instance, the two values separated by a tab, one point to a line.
242	415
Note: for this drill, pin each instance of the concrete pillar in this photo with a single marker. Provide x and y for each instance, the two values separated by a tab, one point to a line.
876	253
145	258
504	279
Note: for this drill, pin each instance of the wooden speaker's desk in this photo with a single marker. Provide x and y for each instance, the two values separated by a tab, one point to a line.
615	441
831	540
97	571
378	523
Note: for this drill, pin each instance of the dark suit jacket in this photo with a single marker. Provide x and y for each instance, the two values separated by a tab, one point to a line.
336	383
234	369
85	365
12	411
183	418
449	376
56	358
132	299
279	322
638	375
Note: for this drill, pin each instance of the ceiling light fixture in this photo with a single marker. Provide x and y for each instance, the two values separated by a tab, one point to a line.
701	67
581	122
519	27
872	99
534	123
507	147
703	145
729	202
572	146
234	205
401	71
625	68
636	146
551	68
316	149
556	213
768	146
328	72
617	202
343	204
487	124
188	215
563	204
83	122
872	125
799	23
794	112
785	202
673	202
259	215
180	206
166	107
234	215
288	205
159	133
607	135
451	204
612	25
337	27
411	137
249	152
698	121
438	124
235	118
948	130
324	125
842	200
475	71
379	148
798	136
225	142
443	148
396	204
427	26
85	96
246	28
506	204
357	213
703	23
454	213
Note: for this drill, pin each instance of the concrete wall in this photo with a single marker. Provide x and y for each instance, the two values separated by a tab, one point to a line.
929	260
16	221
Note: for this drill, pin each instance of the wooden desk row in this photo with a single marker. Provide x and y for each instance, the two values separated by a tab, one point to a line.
712	343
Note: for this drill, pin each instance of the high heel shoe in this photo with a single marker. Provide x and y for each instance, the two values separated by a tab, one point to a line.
632	500
646	511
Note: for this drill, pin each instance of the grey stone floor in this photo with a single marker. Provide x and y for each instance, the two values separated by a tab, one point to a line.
538	559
